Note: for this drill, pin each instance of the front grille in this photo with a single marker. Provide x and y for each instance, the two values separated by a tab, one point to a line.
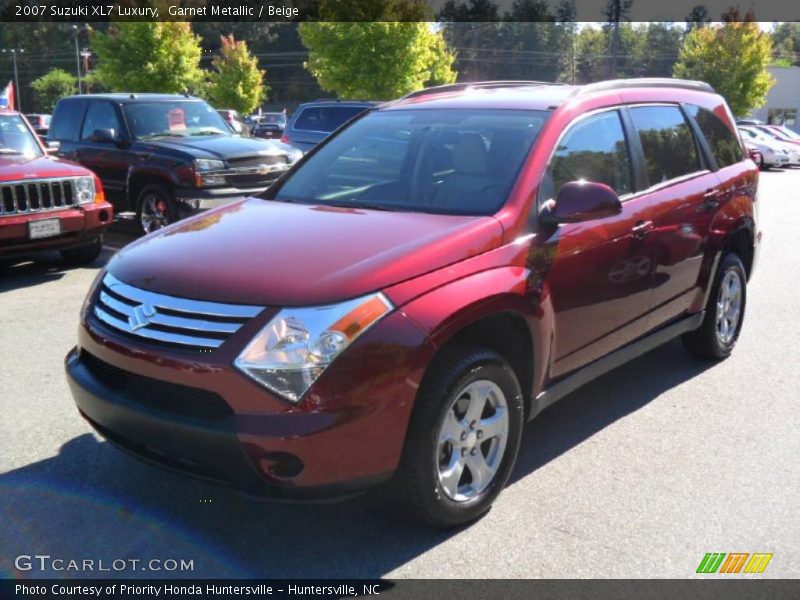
167	320
154	393
256	171
37	196
254	161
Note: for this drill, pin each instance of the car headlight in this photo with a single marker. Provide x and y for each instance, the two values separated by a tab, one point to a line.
207	164
84	190
298	344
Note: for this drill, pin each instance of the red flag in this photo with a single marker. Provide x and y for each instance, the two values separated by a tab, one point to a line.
7	96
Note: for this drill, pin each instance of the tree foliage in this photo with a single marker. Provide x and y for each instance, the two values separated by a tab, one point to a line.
733	58
149	57
52	86
376	60
236	81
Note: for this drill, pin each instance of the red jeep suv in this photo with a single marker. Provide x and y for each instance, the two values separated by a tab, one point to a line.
46	203
419	285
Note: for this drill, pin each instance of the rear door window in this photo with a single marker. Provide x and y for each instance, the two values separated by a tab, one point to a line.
67	120
670	150
723	142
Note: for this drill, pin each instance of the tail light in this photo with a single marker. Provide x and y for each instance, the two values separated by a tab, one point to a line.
285	138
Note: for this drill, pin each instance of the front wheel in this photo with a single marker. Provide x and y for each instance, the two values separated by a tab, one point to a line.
463	438
717	336
155	208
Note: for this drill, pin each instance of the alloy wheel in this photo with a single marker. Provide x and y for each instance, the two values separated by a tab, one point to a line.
472	440
155	213
729	307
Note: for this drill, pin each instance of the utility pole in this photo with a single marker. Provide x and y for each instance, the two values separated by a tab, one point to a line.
76	31
14	51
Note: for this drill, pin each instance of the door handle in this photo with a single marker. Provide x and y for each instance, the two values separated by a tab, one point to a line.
711	197
641	229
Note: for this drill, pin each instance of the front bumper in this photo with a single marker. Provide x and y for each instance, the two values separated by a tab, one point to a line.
345	436
79	226
206	198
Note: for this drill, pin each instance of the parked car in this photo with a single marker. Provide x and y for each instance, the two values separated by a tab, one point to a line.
40	123
774	152
236	121
164	155
314	121
270	126
46	203
753	153
432	276
788	133
780	134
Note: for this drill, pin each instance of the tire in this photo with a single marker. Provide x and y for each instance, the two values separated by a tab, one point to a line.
717	336
466	373
155	208
83	255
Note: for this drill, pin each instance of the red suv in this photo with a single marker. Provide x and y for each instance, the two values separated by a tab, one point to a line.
46	203
418	286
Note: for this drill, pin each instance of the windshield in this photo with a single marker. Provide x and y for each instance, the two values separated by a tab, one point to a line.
178	118
438	161
788	132
16	139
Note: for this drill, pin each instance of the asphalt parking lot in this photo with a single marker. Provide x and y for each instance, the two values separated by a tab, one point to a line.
637	475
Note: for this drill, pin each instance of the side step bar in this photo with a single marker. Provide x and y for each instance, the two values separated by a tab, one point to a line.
601	366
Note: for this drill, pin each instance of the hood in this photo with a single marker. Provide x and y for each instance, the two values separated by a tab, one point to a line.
13	168
270	253
223	147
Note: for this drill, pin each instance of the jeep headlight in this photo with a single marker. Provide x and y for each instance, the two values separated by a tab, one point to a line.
298	344
84	190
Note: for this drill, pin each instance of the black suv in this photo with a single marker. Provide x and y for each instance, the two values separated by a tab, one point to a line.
164	155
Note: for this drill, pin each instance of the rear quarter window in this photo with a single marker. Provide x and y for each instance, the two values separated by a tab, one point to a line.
721	140
66	121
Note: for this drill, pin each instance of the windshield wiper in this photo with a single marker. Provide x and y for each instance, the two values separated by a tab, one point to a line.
10	151
208	132
151	136
368	206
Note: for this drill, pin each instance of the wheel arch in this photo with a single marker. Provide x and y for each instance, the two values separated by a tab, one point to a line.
139	178
509	322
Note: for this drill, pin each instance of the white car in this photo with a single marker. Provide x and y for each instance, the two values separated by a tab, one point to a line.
774	153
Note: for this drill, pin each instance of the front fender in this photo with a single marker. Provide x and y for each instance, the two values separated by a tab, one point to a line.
448	309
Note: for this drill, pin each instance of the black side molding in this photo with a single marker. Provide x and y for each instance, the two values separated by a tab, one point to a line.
601	366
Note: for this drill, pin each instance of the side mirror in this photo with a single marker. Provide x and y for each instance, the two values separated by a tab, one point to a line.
104	136
578	201
52	146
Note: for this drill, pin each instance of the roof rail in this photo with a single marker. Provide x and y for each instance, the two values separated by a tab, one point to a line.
457	87
621	84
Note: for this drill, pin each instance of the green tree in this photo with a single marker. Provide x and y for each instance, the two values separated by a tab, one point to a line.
733	58
376	60
236	81
786	42
52	86
149	57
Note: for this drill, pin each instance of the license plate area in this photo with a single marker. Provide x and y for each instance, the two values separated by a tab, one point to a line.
44	228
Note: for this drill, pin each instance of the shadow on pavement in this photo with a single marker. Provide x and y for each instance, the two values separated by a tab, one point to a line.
92	501
40	269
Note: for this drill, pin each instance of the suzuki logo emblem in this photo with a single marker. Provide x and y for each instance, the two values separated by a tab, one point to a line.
141	315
